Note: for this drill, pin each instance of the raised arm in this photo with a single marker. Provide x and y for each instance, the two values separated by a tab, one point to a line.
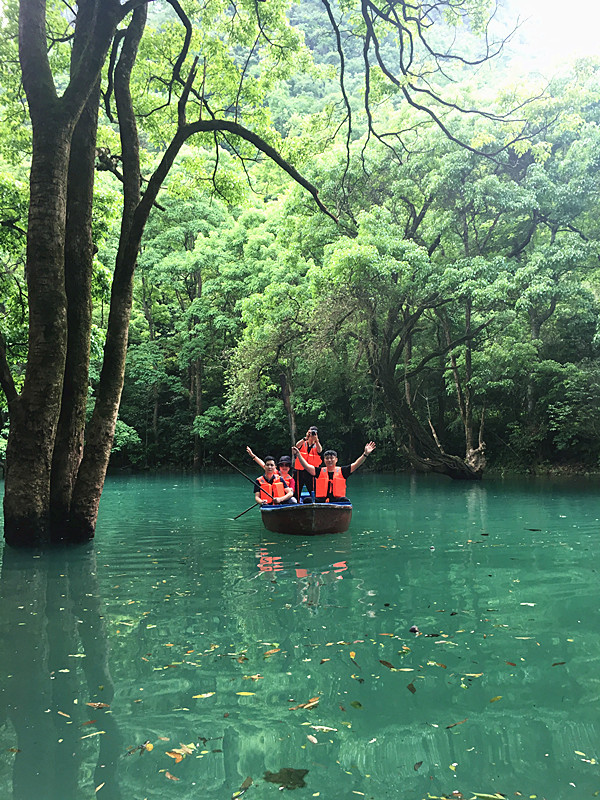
308	467
369	447
258	460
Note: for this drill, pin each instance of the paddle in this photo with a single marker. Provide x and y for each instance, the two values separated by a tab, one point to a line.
245	512
247	478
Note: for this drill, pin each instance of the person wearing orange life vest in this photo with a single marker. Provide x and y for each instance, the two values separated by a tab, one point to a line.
311	448
271	488
284	466
330	480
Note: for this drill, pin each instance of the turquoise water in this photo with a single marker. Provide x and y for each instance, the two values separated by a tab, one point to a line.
208	637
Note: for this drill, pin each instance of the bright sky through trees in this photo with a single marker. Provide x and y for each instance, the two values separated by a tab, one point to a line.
553	32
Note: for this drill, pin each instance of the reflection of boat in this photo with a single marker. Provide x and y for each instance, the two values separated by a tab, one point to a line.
306	519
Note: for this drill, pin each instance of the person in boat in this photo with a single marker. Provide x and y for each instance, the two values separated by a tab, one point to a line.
311	448
330	480
284	466
271	488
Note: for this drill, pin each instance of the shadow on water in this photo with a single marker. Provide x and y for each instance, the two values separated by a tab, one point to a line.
53	661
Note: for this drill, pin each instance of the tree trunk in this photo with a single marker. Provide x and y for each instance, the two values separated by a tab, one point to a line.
79	254
286	396
34	414
99	438
418	444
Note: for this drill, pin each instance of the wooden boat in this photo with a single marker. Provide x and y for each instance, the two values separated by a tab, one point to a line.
307	519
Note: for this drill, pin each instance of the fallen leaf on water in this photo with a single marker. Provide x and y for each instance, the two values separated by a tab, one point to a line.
388	665
511	663
312	739
322	728
323	660
272	652
257	677
89	735
177	756
556	664
498	697
243	788
417	765
202	696
98	705
97	789
356	704
311	704
454	724
245	694
473	674
352	654
89	722
496	796
170	777
411	688
62	713
16	750
454	766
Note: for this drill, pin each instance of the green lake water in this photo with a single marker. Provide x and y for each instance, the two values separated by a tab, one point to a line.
208	637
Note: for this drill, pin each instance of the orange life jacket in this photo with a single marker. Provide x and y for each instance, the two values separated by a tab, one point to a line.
309	455
338	483
275	489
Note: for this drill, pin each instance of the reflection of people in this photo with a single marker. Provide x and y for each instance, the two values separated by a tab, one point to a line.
330	480
310	447
271	488
284	466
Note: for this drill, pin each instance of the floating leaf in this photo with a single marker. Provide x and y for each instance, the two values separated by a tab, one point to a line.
498	697
352	654
257	677
98	705
311	704
202	696
417	765
97	789
511	663
411	688
322	728
176	755
556	664
312	739
453	766
272	652
388	665
454	724
356	704
243	788
245	694
170	777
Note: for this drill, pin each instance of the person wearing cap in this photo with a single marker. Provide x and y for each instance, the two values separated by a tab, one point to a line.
310	447
271	488
330	480
284	466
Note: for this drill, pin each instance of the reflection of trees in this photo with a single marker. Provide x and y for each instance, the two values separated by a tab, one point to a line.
53	660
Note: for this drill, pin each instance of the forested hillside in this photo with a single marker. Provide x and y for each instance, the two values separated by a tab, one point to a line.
442	299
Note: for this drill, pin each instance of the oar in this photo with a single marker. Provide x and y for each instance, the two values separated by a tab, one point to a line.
245	476
246	511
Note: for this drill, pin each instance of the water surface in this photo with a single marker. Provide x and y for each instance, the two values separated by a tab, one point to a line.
208	637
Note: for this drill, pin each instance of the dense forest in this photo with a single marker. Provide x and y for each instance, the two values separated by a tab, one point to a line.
397	243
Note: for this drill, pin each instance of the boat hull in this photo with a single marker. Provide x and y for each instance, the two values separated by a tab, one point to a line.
307	519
